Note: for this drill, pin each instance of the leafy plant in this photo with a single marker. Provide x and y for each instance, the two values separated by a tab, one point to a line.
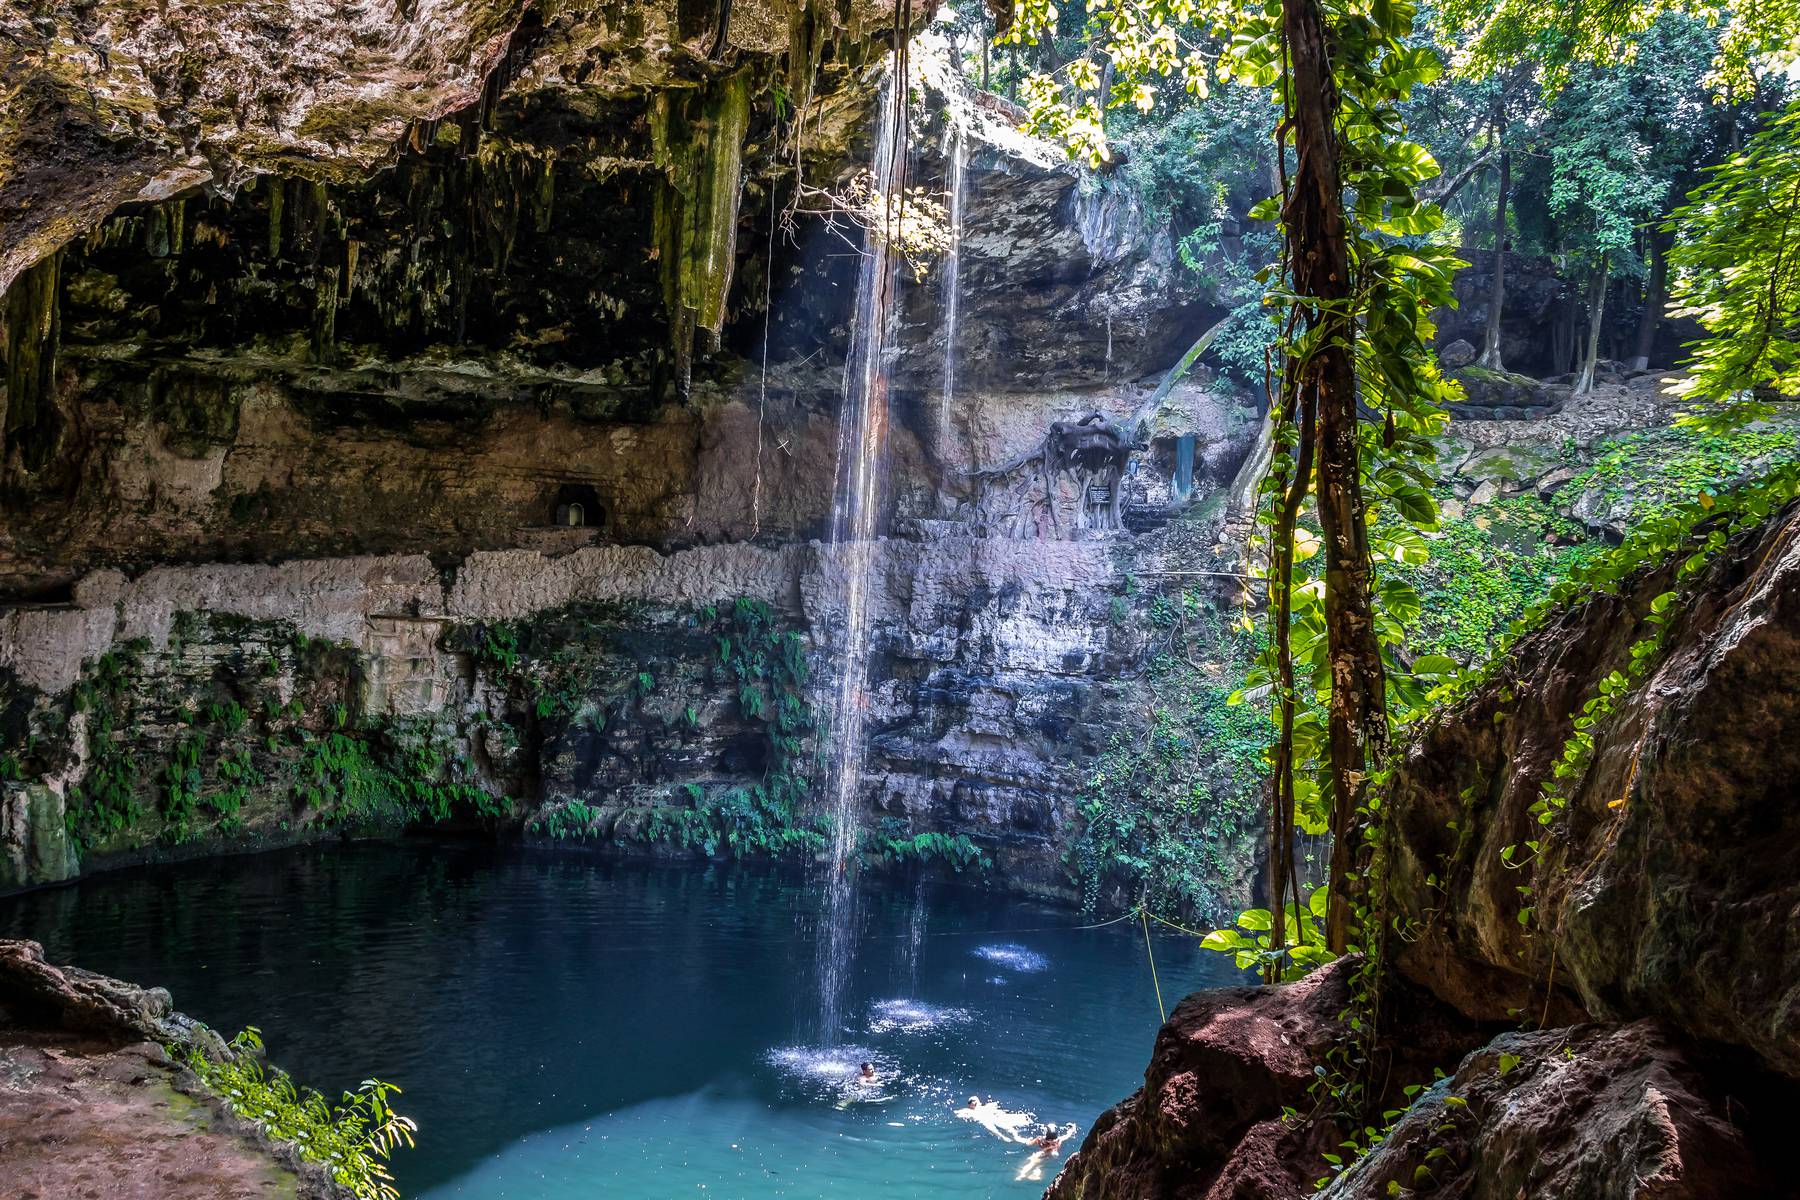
893	844
353	1139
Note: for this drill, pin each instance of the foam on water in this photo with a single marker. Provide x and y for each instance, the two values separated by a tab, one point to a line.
913	1016
1012	956
832	1072
825	1064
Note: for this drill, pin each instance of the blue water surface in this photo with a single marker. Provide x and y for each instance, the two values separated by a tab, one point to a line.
567	1027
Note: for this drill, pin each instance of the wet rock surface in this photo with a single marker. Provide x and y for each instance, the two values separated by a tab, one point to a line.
1008	667
93	1105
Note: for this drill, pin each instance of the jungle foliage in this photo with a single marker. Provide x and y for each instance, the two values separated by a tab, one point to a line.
1618	109
351	1139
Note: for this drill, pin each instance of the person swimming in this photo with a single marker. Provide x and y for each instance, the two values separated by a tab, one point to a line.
866	1074
998	1121
1046	1146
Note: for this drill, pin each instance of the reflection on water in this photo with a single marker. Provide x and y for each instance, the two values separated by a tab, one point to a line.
564	1027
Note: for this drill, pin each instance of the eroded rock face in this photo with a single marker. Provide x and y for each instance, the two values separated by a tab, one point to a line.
1208	1123
1667	891
88	1070
1007	667
1584	1113
1655	951
126	101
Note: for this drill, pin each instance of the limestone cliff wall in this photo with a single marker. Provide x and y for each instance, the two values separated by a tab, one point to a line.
209	707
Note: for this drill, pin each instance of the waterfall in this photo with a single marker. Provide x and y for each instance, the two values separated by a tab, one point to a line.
915	929
956	154
861	454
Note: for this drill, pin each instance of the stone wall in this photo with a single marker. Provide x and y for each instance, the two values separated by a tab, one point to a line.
366	694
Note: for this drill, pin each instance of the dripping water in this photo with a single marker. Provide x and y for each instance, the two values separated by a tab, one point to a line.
956	153
861	446
915	929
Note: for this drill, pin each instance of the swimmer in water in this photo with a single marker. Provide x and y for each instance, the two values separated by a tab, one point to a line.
865	1075
1046	1146
996	1120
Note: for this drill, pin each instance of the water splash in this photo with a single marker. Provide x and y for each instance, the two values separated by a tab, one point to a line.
861	456
956	154
914	1016
1012	956
834	1072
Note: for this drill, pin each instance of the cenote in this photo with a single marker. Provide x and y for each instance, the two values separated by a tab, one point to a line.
565	1026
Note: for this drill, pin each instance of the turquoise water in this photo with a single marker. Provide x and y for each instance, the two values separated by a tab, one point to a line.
566	1028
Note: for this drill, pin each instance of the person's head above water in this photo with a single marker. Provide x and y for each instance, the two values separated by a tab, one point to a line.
868	1068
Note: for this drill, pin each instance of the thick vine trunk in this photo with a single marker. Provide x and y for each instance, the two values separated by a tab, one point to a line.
1490	342
1319	256
1651	320
1292	485
1584	382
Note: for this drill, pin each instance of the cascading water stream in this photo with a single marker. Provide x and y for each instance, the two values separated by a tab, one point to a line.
956	154
861	458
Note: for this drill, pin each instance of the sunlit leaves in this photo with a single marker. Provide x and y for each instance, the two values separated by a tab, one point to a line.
1250	943
1760	37
1736	268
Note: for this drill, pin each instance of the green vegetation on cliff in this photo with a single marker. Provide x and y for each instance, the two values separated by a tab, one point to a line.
1169	809
264	745
351	1139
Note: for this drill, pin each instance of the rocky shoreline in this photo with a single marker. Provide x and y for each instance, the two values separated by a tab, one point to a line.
86	1067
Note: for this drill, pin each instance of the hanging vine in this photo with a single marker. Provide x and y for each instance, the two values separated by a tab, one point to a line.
1355	398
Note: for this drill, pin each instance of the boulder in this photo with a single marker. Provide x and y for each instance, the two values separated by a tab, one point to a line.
1549	483
36	994
1488	389
1208	1123
1457	354
1667	889
1584	1113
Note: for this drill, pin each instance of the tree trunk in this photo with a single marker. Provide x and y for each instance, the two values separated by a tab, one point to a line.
1319	254
1651	319
1584	383
1490	342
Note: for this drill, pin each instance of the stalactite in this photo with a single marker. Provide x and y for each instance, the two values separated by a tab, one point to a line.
177	218
275	205
544	207
806	48
697	139
324	331
33	333
156	232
